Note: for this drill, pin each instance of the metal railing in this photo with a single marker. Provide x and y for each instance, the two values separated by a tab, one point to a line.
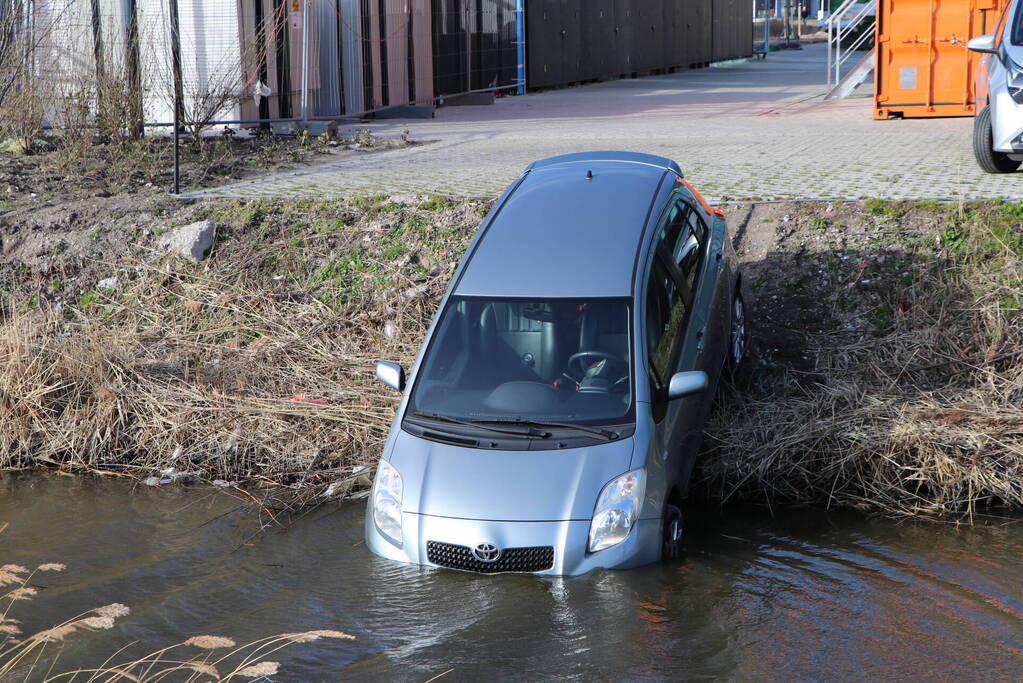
841	23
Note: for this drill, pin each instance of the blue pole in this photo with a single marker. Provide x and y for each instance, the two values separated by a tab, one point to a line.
520	33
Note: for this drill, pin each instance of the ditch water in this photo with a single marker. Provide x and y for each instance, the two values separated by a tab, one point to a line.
802	595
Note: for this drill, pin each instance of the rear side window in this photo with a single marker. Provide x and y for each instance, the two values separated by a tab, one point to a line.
689	260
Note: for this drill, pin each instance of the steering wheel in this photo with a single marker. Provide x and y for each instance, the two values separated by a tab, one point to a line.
575	360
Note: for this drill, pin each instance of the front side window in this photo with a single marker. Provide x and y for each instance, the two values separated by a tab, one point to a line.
564	360
665	311
1016	36
681	238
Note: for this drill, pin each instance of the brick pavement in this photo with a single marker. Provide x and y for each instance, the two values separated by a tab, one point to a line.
742	130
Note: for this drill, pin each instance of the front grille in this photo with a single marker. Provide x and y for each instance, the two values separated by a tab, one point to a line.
537	559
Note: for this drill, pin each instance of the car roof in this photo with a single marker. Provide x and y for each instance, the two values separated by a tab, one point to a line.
570	228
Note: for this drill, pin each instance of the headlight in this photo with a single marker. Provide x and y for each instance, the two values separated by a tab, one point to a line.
387	490
617	509
1014	80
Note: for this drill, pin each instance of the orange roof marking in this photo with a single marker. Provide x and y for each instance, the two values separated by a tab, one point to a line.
703	202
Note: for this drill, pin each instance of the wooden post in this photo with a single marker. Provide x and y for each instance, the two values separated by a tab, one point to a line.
134	74
97	53
176	68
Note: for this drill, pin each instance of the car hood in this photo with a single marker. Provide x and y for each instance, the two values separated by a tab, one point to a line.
523	486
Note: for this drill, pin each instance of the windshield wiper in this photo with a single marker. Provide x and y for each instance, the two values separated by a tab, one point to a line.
606	434
531	429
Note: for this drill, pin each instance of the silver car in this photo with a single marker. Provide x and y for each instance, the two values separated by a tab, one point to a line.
558	403
998	83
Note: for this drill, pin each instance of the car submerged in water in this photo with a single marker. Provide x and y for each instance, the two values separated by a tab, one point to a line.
558	403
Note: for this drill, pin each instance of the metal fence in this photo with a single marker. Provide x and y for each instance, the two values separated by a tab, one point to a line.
246	61
781	24
242	61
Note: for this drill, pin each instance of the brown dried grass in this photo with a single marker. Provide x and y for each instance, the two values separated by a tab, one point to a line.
221	371
923	416
227	369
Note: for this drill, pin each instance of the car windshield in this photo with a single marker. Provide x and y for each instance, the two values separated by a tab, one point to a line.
564	360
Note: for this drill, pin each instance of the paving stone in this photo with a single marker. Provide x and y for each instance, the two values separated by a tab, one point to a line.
746	130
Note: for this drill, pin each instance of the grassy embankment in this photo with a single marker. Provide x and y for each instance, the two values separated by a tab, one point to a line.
255	365
897	384
903	397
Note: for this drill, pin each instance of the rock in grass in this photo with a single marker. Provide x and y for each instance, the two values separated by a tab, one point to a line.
193	241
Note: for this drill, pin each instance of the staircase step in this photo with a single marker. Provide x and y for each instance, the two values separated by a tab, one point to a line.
852	80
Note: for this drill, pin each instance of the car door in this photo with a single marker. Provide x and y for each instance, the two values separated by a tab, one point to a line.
711	291
675	340
698	254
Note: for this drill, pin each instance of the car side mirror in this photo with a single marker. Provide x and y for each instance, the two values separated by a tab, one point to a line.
391	374
982	43
686	384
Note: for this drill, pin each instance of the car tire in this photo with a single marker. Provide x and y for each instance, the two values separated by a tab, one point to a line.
738	334
671	533
987	158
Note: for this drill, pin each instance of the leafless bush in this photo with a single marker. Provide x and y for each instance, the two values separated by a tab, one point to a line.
118	106
21	115
221	85
23	99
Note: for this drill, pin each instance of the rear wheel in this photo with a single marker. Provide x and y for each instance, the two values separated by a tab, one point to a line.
671	532
987	158
738	337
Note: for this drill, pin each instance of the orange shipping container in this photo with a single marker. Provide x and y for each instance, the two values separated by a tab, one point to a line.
922	67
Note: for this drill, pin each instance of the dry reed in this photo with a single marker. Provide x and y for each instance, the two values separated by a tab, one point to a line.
255	366
921	414
219	658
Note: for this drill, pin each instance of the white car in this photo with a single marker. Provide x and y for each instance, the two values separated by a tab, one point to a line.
998	123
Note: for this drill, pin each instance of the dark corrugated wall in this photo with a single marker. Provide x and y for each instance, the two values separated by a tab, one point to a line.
569	41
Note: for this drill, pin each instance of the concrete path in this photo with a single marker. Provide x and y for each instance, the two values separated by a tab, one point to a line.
740	130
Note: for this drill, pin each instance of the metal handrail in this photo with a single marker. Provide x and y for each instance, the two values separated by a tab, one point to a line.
836	31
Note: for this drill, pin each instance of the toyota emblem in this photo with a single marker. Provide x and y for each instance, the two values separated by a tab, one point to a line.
487	552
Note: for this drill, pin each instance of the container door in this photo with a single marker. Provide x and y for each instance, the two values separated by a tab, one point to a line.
597	20
923	68
625	61
571	41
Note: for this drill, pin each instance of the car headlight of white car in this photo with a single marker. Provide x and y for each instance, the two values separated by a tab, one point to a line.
387	490
617	509
1014	80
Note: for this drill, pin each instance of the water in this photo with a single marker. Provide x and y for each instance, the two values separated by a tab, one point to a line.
805	595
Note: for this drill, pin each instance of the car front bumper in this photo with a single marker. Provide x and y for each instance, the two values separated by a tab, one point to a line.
1006	121
567	538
